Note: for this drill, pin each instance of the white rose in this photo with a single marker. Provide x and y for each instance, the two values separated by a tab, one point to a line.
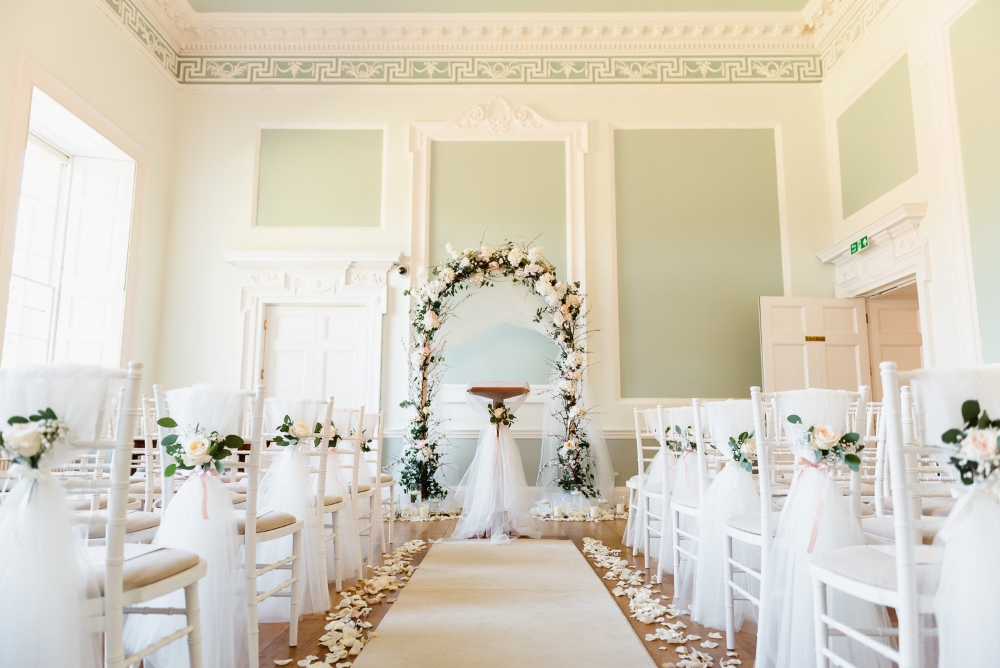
416	358
431	320
533	269
300	430
452	251
515	256
543	287
570	445
24	440
520	274
434	289
446	275
535	254
560	289
577	411
499	412
567	386
476	278
552	299
750	448
572	300
485	253
979	444
196	449
464	263
825	437
574	360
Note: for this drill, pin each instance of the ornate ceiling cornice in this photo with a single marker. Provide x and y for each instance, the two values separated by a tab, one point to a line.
198	48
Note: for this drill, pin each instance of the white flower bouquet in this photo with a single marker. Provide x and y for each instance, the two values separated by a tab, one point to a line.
292	432
196	449
28	439
500	415
680	440
821	442
977	447
744	449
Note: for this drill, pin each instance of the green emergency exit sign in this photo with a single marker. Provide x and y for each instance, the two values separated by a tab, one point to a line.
859	245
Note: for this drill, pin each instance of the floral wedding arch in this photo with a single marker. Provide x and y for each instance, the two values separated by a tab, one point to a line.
436	298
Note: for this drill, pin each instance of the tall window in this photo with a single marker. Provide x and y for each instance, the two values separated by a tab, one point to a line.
67	285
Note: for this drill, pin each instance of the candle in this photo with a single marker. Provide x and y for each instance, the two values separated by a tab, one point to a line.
595	511
620	508
557	511
425	511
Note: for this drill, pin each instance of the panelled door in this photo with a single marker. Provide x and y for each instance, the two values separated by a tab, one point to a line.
315	352
813	342
893	334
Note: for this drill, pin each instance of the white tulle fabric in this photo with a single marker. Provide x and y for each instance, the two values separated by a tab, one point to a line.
493	494
44	582
786	636
684	485
652	475
966	618
215	538
338	479
733	492
288	487
213	408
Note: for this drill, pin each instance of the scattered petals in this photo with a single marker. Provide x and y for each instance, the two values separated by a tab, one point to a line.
715	636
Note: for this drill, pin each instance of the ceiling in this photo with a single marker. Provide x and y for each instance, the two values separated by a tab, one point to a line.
482	6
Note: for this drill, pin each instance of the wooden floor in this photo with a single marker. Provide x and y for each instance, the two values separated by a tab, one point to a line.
274	637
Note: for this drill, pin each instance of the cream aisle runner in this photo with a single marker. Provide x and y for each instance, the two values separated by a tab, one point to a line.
528	603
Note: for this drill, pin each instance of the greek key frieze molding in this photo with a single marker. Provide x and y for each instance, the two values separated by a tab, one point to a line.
784	47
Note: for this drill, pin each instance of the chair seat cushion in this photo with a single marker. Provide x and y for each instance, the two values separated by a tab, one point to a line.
135	521
875	565
236	497
930	507
750	522
268	521
331	500
144	564
361	488
387	477
140	488
883	527
102	503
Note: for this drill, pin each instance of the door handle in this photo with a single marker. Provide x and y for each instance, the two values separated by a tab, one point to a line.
815	338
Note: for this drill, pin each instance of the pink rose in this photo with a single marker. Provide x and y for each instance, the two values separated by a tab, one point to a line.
980	444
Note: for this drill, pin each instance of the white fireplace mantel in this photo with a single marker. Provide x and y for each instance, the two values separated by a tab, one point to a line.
311	277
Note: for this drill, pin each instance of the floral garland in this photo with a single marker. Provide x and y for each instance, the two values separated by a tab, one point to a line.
436	298
977	455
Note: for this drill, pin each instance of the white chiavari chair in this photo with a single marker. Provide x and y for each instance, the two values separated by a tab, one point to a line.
262	528
350	458
372	435
128	575
686	503
646	426
904	575
653	484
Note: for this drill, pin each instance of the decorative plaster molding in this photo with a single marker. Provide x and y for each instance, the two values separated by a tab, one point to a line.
895	252
267	49
319	278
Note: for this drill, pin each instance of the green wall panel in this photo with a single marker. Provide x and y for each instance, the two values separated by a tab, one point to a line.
876	139
503	190
319	178
975	52
698	242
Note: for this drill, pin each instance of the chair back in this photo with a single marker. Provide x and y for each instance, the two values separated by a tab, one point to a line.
372	436
650	425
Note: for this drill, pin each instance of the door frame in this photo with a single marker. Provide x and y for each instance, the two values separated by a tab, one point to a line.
312	278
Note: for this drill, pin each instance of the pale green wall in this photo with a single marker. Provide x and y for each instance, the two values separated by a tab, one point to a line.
975	52
319	178
876	139
698	242
507	190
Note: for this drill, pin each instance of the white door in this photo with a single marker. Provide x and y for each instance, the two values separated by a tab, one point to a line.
813	342
92	287
318	351
893	335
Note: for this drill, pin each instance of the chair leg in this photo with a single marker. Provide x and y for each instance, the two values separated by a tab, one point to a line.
252	614
322	547
293	622
193	614
645	533
392	511
675	543
336	549
634	517
819	609
727	569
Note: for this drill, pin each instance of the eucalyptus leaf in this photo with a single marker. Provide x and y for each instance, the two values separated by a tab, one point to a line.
17	419
853	462
167	422
795	419
953	436
169	471
169	439
233	442
970	412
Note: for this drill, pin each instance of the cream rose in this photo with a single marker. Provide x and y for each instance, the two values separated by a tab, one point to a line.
24	440
750	448
535	254
300	430
499	412
431	320
452	251
979	444
824	437
196	450
515	256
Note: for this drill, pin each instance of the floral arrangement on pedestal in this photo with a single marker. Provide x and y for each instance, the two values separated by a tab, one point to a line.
436	298
977	454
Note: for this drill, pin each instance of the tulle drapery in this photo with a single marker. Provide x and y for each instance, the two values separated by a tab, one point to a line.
493	494
683	486
44	577
287	486
733	492
338	481
200	519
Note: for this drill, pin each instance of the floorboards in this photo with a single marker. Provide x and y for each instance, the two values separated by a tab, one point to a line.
274	637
